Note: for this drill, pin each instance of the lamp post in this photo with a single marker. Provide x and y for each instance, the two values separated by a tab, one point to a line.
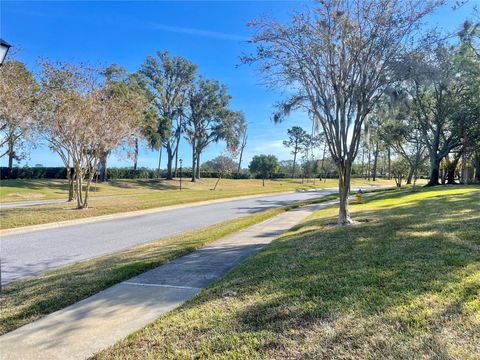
4	47
181	162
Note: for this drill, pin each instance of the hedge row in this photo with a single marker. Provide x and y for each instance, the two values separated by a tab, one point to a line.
112	173
119	173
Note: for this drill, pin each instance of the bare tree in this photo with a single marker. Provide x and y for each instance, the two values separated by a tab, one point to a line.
18	90
336	58
242	146
82	120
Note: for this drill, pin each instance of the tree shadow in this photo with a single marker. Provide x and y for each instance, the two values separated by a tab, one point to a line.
391	268
153	184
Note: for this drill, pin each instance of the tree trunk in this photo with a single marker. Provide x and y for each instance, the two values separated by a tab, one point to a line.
11	153
434	171
135	155
369	158
375	162
451	167
78	179
240	160
344	172
294	163
103	169
160	161
410	175
451	175
389	163
476	165
10	160
194	158
176	154
71	186
170	156
263	181
198	166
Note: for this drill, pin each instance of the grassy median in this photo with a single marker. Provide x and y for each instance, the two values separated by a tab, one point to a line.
28	300
130	195
402	284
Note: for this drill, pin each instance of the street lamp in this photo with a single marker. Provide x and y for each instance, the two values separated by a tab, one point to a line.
181	162
4	47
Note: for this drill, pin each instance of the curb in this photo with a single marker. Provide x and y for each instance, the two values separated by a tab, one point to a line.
120	215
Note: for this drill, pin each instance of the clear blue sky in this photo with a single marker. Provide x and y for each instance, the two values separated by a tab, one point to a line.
210	34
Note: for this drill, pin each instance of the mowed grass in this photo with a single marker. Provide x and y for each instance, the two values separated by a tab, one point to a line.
404	284
130	195
28	300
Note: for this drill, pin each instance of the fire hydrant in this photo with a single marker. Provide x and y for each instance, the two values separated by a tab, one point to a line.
359	196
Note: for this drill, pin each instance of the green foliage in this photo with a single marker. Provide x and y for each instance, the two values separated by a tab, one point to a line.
264	165
221	164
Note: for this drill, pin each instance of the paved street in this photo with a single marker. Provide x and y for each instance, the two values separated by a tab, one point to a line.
31	253
80	330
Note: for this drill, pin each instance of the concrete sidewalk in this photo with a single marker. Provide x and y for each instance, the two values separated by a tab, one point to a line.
90	325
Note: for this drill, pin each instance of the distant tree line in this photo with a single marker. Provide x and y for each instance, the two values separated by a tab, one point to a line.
378	86
84	113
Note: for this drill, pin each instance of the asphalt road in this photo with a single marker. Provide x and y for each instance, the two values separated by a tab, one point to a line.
28	254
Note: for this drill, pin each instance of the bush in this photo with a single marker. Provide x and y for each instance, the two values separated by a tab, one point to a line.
33	173
112	173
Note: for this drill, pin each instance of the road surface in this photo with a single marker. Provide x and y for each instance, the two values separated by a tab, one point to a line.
29	254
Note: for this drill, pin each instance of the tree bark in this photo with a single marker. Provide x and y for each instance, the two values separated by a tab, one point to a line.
369	158
434	171
389	163
71	185
240	161
176	154
451	167
294	163
103	176
170	156
135	155
198	165
160	161
375	162
194	158
344	172
11	153
476	165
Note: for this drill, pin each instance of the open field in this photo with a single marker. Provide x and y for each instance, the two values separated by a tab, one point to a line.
28	300
130	195
402	284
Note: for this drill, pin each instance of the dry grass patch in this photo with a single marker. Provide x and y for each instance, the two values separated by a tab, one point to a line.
130	195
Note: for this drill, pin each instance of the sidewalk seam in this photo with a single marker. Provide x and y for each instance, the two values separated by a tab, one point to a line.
160	285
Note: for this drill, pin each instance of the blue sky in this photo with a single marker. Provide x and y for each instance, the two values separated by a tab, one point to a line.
210	34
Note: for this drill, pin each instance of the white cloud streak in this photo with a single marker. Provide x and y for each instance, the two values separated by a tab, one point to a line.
199	32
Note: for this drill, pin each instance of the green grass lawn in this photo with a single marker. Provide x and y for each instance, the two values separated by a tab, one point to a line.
403	284
130	195
28	300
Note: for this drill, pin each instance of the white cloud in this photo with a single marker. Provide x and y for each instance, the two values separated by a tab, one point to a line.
199	32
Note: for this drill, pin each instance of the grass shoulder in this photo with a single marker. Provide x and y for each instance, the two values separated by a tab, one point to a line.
131	195
28	300
402	284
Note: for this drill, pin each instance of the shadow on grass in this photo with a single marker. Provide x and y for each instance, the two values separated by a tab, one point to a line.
153	184
407	266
